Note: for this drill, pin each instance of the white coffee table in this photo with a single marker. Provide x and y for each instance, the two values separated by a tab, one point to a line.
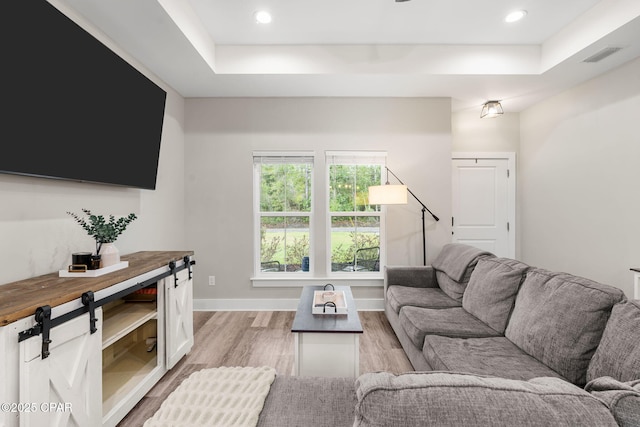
326	345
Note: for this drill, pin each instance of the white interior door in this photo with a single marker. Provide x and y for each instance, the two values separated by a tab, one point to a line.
484	203
179	317
65	387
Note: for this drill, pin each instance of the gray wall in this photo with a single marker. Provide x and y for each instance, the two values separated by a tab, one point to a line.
221	135
580	179
470	133
38	237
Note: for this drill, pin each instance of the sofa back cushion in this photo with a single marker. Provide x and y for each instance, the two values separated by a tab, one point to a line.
492	290
618	355
444	399
559	319
454	265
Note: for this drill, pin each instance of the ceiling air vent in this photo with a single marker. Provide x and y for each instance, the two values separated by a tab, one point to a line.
601	54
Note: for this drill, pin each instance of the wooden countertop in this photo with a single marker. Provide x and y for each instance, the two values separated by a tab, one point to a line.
21	299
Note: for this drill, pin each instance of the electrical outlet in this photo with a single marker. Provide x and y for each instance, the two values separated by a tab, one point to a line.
212	280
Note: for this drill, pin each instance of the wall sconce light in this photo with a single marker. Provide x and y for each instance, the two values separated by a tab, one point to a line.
491	109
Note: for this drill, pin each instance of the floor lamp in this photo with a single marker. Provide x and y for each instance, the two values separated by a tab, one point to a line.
397	195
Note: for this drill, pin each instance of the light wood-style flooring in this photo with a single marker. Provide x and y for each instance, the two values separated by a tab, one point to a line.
263	338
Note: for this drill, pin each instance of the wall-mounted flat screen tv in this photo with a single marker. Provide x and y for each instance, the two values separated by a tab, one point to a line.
71	107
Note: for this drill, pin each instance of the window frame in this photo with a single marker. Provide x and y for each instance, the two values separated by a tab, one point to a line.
357	158
300	157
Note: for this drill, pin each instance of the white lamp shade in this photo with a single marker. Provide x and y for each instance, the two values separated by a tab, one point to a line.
388	195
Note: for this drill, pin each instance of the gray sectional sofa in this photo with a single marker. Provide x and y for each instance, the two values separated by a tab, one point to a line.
494	342
497	316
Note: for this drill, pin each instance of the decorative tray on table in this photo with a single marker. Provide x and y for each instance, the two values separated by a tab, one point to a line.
329	302
94	273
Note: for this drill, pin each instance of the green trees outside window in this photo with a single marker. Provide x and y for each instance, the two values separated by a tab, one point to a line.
354	223
285	208
284	203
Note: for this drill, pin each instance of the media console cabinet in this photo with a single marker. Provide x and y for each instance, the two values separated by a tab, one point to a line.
83	351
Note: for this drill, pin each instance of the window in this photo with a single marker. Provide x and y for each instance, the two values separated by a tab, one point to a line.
283	189
354	225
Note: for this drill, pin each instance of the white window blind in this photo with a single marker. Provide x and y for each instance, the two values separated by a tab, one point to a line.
356	157
274	158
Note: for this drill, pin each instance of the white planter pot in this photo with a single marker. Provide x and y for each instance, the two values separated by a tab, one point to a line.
110	255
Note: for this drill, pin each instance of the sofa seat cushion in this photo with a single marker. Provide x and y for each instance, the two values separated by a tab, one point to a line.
446	399
559	319
418	322
492	290
454	265
496	356
618	355
399	296
309	401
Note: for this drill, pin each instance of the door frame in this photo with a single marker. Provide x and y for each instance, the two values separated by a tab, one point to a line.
511	185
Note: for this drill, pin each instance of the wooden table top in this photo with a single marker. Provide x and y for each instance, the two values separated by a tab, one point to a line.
21	299
305	321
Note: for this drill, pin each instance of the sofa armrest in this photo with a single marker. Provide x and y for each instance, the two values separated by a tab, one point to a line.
622	398
417	277
448	399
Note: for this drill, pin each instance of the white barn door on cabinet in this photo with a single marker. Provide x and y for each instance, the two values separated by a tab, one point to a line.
65	388
483	210
179	316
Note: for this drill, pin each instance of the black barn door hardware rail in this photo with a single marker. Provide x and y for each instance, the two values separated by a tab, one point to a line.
43	313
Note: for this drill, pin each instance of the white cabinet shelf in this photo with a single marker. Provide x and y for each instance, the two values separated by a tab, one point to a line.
123	318
125	373
131	356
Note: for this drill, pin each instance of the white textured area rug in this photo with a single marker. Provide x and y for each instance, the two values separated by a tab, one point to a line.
226	396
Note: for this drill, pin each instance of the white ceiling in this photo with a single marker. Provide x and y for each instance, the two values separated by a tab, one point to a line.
386	22
461	49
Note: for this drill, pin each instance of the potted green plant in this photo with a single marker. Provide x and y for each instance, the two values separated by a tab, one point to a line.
104	232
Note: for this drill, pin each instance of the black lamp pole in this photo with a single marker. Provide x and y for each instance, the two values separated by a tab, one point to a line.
424	209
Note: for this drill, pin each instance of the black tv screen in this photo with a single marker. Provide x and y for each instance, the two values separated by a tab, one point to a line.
71	107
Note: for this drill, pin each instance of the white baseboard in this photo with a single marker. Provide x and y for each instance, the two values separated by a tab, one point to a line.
364	304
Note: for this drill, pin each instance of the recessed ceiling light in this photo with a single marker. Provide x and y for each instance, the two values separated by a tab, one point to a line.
515	16
262	17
